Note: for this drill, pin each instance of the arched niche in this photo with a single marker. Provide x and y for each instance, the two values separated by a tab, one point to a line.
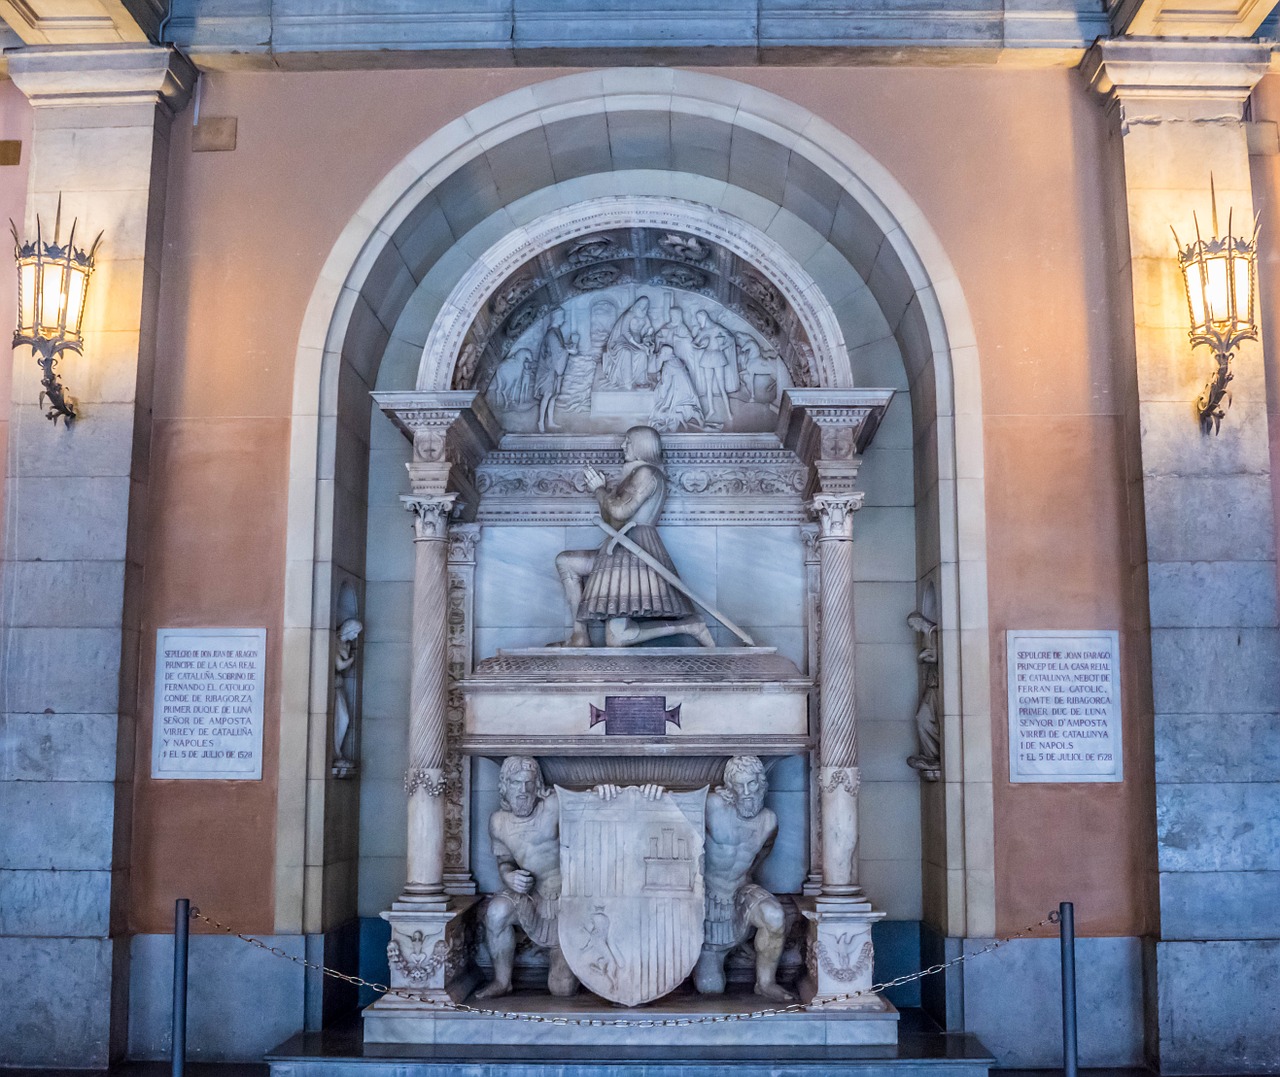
800	182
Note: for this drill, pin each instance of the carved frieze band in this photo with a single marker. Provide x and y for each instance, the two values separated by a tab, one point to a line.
431	516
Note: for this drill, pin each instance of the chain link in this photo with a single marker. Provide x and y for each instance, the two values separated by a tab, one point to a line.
666	1022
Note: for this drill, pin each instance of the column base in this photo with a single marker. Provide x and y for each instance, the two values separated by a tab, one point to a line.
840	953
459	883
430	953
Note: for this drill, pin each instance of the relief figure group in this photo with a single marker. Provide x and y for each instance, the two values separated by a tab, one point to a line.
694	366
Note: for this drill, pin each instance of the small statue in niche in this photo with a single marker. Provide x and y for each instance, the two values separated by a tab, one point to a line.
348	641
615	584
553	358
740	834
525	831
928	761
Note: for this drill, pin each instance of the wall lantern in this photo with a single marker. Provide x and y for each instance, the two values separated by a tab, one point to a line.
1218	274
53	283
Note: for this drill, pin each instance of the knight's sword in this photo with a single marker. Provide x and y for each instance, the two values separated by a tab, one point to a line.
628	544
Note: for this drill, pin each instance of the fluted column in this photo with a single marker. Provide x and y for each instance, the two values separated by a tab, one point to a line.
837	731
428	699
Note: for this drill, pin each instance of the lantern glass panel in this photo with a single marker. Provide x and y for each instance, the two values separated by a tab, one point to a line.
27	295
1195	295
51	296
77	283
1243	281
1217	292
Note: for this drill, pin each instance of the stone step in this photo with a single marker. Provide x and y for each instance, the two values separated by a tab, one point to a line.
922	1051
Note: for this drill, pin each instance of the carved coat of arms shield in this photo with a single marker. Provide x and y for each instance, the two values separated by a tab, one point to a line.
632	902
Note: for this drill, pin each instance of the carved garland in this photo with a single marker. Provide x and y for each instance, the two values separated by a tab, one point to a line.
843	971
418	966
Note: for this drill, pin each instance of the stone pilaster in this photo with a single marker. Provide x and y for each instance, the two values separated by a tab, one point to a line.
813	636
1209	568
72	551
461	632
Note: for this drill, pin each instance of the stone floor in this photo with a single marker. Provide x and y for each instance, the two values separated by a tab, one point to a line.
923	1051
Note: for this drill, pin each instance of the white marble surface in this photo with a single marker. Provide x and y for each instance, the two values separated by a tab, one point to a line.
567	713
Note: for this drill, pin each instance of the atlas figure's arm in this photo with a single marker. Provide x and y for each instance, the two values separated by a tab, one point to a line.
511	874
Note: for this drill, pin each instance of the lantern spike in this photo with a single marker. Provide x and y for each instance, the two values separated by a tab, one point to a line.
17	243
71	240
93	250
57	222
1176	241
1196	220
1213	202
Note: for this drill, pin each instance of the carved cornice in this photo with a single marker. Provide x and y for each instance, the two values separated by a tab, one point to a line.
829	429
716	478
451	432
1154	81
127	74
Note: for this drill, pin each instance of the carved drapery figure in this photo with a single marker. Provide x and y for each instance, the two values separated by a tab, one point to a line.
678	337
740	833
343	735
928	761
614	585
525	832
717	365
628	354
675	402
553	357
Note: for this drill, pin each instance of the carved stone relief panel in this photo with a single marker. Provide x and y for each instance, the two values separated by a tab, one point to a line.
666	354
635	324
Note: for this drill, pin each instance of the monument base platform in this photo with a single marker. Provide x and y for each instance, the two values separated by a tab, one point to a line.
922	1051
387	1021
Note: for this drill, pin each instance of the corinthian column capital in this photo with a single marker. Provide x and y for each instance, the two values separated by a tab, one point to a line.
834	513
431	516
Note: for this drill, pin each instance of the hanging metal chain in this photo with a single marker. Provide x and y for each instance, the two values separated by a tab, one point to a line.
666	1022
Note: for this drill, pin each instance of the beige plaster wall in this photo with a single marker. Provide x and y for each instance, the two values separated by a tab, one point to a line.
1005	165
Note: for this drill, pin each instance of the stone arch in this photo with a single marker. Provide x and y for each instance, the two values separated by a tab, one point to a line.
795	287
462	182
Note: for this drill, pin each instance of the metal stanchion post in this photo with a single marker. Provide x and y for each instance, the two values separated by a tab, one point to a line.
1067	933
181	928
